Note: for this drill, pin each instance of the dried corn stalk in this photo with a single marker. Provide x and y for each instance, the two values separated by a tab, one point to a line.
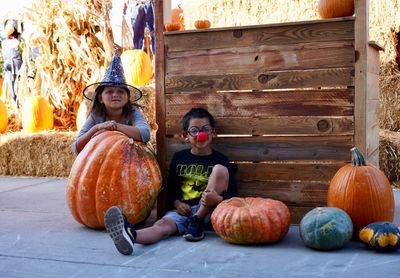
75	46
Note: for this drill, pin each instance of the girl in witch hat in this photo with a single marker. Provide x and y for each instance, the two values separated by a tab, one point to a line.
113	108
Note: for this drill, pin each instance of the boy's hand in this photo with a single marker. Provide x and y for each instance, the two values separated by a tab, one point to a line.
210	198
182	208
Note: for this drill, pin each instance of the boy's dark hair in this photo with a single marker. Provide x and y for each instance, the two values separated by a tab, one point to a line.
197	113
99	109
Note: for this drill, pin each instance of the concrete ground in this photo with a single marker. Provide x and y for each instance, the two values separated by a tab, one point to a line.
39	238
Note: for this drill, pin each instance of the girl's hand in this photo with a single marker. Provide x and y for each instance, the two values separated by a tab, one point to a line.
182	208
109	125
210	198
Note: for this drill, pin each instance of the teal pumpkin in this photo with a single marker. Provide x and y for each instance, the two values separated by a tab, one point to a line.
381	236
326	228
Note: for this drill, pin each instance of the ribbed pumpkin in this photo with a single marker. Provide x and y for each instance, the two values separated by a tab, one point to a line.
112	170
3	117
202	24
363	191
381	236
335	8
137	65
37	114
172	26
326	228
83	112
251	220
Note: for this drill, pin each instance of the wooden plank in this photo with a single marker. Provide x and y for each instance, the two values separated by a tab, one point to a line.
292	171
329	102
292	193
262	58
361	47
275	148
297	125
373	63
297	213
262	80
271	34
160	101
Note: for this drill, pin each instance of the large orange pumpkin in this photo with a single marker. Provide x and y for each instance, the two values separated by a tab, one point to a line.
112	170
335	8
251	220
37	114
137	65
363	191
3	117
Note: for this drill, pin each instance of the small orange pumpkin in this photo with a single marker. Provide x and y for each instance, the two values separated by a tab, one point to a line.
173	26
202	24
335	8
112	170
37	114
251	220
363	191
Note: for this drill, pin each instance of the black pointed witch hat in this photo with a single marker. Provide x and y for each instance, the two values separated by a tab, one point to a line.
114	76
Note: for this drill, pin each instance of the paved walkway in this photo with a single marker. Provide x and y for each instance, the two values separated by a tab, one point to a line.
39	238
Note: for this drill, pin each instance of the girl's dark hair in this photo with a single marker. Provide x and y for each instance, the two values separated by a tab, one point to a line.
197	113
98	108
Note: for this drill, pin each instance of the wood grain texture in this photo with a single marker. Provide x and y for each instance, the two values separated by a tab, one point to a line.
275	148
292	125
259	35
261	80
329	102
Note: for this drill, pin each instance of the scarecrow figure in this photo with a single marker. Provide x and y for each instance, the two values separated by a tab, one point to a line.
11	56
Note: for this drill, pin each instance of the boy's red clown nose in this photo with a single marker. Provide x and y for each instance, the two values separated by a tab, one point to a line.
202	137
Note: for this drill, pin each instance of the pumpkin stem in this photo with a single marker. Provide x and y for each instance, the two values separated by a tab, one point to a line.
357	159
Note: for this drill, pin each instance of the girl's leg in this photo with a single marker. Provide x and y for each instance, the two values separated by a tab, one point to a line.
163	228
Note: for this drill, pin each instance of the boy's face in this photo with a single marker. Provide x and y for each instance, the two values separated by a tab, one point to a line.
199	133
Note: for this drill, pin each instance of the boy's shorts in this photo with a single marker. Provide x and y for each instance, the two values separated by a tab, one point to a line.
182	222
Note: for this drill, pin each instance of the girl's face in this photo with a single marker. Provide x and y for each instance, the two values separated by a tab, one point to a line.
199	135
114	97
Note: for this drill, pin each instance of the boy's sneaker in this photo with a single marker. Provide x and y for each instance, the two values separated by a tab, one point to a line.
120	230
195	231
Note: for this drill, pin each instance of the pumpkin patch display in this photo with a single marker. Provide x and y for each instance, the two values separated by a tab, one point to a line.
138	69
363	191
37	114
112	170
335	8
3	117
251	220
381	236
326	228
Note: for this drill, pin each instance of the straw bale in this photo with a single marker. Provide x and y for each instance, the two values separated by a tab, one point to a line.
389	154
41	154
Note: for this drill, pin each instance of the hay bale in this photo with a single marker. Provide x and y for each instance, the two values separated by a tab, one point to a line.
389	154
40	154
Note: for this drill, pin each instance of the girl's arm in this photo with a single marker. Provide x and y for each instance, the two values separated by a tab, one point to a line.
140	130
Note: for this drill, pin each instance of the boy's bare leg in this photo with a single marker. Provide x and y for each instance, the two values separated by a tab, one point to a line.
161	229
218	182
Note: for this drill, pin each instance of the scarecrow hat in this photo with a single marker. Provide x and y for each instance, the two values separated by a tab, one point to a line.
114	76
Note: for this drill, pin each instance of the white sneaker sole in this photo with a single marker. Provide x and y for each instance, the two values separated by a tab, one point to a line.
114	222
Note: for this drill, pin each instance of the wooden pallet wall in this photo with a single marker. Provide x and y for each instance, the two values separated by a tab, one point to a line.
283	99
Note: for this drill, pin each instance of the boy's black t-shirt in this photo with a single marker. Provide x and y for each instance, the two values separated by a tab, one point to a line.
189	173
